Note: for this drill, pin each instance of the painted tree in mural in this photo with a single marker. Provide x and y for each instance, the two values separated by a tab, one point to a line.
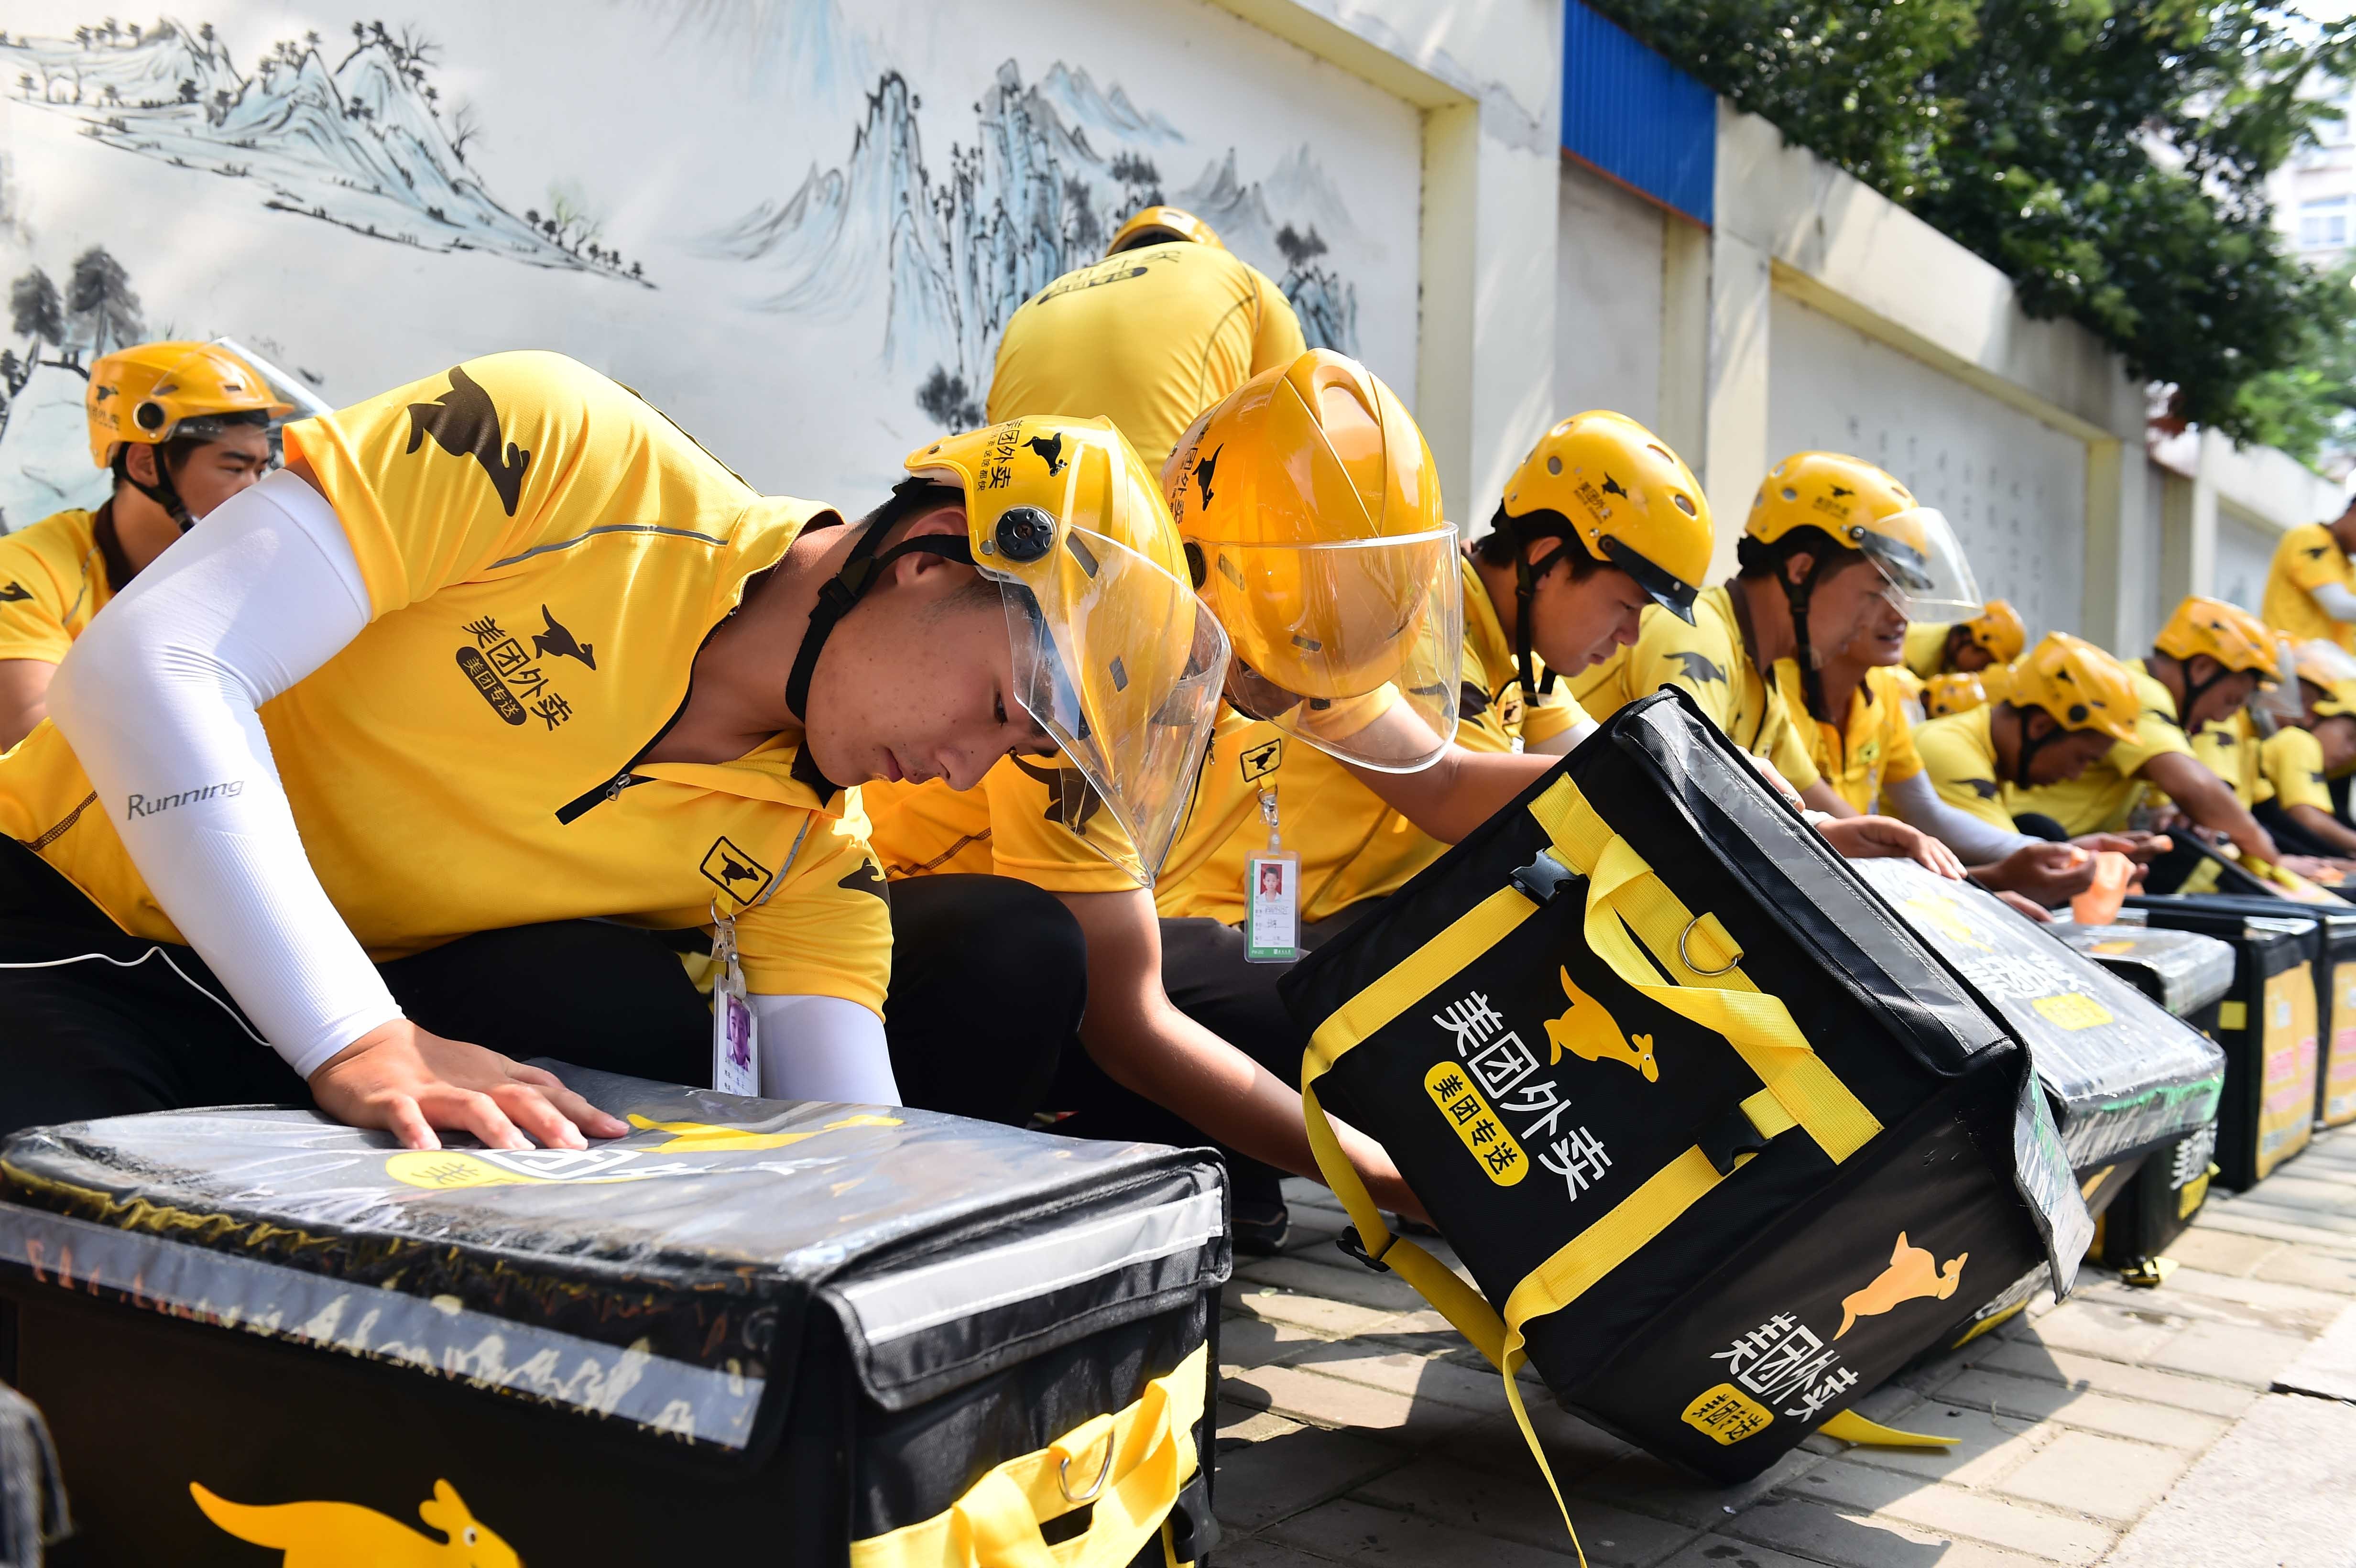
104	308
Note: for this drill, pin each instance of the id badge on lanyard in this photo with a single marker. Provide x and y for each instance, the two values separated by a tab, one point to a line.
735	1032
1272	896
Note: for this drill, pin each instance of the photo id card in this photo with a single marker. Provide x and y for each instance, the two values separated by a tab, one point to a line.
735	1032
1272	930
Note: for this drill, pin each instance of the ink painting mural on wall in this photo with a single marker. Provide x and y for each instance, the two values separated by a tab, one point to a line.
796	227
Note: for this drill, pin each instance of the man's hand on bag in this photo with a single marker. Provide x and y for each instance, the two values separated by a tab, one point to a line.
2140	848
1887	838
2023	906
409	1081
2047	874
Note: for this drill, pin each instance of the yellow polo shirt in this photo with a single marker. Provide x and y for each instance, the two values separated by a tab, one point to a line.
1352	845
544	554
1959	753
1148	339
2100	799
1493	675
1709	660
2291	760
54	576
1876	747
2307	558
2231	750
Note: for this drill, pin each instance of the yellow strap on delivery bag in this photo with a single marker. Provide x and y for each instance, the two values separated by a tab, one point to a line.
1624	895
1129	1465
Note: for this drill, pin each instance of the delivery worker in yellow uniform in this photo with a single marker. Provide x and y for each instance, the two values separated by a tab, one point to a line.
1165	326
1871	759
2315	708
1958	693
2204	666
504	650
2068	705
1828	538
184	426
1994	637
2311	586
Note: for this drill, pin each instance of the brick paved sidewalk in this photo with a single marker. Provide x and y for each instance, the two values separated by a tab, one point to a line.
2123	1426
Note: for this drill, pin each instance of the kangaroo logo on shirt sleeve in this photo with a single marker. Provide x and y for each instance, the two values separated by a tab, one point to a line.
13	592
464	424
1697	666
1983	788
2316	552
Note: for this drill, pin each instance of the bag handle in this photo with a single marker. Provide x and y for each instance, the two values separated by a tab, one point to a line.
1128	1466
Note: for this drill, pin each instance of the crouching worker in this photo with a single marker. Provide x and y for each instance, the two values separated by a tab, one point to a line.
2204	666
2313	743
2067	705
183	426
405	738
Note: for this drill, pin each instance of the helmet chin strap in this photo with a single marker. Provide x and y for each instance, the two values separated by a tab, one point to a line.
164	493
2030	745
2193	692
1797	596
1527	575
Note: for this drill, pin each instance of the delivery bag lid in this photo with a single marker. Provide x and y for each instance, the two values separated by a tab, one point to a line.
2183	970
665	1277
2122	1073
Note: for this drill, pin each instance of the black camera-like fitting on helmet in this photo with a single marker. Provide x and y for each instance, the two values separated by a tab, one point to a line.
1023	534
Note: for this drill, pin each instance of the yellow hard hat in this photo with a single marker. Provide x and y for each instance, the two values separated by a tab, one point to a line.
2226	633
146	393
1623	495
2080	684
1310	506
1174	222
1957	691
2340	698
2000	629
1113	653
1864	508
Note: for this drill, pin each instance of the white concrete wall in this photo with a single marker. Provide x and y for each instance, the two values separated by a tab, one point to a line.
2246	548
1609	262
2014	487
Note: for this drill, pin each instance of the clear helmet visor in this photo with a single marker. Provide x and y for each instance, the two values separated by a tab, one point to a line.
286	388
2326	669
1356	647
1122	665
1921	559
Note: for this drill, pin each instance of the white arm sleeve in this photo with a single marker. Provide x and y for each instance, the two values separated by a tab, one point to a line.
2337	602
823	1048
1976	843
1563	745
160	699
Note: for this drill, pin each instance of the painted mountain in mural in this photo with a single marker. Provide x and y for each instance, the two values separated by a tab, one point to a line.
1051	170
362	143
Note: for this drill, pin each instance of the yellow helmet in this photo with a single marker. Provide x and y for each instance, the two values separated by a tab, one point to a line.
2080	684
1866	508
2226	633
1154	224
1625	496
1957	691
1113	653
1309	507
146	394
2000	629
2342	699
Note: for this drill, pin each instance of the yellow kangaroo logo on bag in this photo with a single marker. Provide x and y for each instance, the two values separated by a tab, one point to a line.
1593	1035
345	1535
1942	913
1913	1274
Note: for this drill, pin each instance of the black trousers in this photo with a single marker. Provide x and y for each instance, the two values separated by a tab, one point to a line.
107	1024
1205	972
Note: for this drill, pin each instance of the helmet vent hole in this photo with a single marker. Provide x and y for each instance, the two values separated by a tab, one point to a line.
1228	571
1790	494
1120	675
1554	465
1307	644
1081	553
1685	506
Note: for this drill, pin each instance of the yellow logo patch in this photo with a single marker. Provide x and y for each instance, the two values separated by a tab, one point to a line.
1482	1134
1726	1414
345	1535
1587	1030
1913	1274
2072	1009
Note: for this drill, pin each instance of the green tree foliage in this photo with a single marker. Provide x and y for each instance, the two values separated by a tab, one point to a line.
2110	156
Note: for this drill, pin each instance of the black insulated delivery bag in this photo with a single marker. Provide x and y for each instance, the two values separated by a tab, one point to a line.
1721	1143
752	1330
2189	974
2267	1023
